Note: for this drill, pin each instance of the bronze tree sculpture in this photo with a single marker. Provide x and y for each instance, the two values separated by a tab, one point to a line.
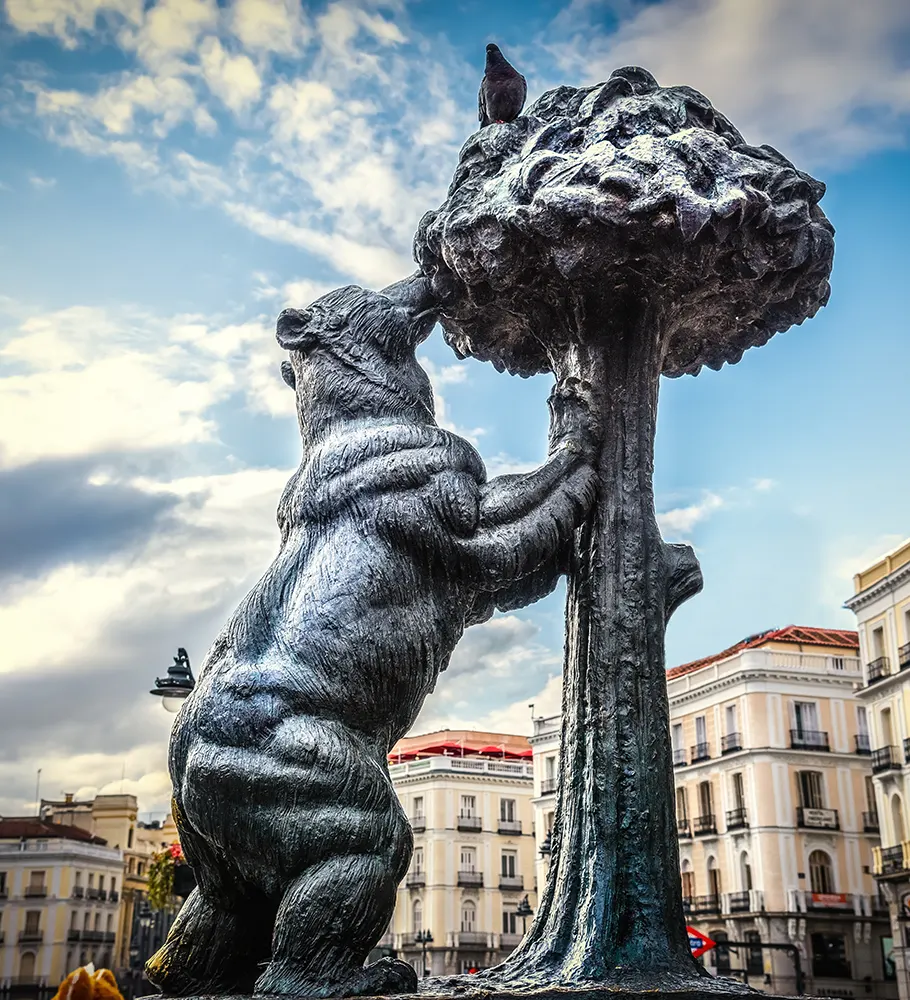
392	542
610	235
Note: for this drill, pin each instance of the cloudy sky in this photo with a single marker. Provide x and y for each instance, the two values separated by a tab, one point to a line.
174	172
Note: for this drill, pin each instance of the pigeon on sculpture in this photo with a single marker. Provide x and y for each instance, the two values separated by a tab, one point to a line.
502	91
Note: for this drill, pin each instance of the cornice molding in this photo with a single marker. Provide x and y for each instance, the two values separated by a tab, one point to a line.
772	674
880	589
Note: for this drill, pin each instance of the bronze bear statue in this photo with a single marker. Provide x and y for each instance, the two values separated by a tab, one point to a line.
392	543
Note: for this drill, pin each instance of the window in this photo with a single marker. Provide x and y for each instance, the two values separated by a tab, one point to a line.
91	880
721	952
821	877
811	791
100	881
870	797
468	916
688	882
509	922
755	960
27	966
417	916
678	736
878	642
469	859
3	889
139	866
701	730
705	799
509	861
682	804
417	861
110	922
97	921
730	720
417	807
899	827
550	767
829	956
745	871
36	880
806	716
713	879
887	729
468	806
74	921
86	920
129	838
78	878
113	884
739	795
507	810
32	921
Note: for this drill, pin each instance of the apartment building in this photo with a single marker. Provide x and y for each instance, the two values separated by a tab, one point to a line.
114	818
881	603
776	813
471	886
59	901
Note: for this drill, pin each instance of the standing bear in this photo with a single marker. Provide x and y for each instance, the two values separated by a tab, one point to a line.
392	543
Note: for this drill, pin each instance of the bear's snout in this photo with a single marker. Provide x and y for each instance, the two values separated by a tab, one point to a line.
293	329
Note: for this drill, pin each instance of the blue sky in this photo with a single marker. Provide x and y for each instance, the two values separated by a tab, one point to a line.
173	173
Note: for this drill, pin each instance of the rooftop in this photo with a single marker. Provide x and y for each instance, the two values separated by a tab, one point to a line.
883	568
31	827
461	743
796	634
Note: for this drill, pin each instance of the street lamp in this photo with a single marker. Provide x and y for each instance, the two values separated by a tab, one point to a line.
546	847
524	911
424	938
174	688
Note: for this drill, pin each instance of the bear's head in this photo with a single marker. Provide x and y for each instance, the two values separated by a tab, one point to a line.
352	354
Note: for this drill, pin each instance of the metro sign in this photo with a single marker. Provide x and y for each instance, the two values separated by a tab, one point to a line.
699	943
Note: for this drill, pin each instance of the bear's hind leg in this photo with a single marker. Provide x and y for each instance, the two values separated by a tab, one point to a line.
328	920
213	950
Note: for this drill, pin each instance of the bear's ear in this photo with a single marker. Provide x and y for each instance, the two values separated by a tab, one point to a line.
293	330
287	373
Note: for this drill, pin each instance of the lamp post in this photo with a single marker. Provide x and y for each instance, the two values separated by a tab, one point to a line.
178	683
424	938
524	911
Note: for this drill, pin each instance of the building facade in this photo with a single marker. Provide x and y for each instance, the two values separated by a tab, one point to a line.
881	603
59	901
468	797
776	815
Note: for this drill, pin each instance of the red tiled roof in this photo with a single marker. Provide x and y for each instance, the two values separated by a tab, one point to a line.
17	827
838	637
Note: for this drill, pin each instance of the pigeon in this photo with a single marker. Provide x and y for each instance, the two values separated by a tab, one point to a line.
502	91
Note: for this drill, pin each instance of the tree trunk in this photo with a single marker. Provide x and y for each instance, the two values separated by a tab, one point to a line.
612	908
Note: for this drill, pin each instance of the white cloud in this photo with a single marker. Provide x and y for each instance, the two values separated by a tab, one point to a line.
680	521
65	19
42	183
822	79
171	31
232	78
268	25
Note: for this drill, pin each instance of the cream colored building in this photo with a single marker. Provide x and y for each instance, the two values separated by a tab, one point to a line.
474	850
59	901
775	811
881	603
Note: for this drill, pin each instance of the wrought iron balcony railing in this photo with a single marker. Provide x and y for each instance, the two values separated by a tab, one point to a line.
548	785
877	669
704	825
862	743
680	758
701	751
682	828
470	878
468	822
731	742
886	759
809	739
737	819
870	822
903	656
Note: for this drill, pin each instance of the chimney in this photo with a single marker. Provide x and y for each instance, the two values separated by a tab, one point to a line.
67	798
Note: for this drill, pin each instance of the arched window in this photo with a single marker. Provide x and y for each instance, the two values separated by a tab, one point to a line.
417	916
821	875
745	871
714	887
27	966
468	916
721	952
688	880
897	819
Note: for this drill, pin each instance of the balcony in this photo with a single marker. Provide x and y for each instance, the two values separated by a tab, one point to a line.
701	751
35	892
113	896
682	828
548	786
469	822
704	826
472	938
510	827
706	904
809	739
4	892
510	940
877	669
739	902
870	822
73	935
829	901
511	882
817	819
907	750
680	759
31	936
415	880
102	895
731	743
418	824
78	892
886	759
903	656
737	819
889	860
92	893
470	879
861	740
93	937
109	936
